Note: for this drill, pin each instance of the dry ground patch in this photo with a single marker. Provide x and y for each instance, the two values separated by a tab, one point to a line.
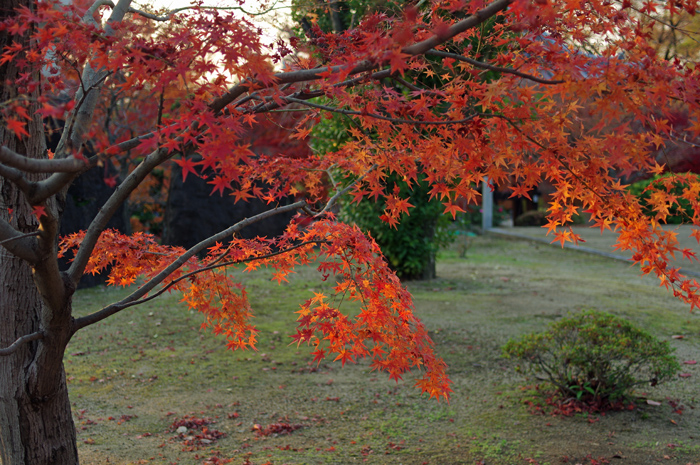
139	376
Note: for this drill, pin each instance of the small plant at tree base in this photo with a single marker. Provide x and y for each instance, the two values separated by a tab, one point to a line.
595	357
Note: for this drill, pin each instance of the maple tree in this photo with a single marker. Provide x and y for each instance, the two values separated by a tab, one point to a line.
193	82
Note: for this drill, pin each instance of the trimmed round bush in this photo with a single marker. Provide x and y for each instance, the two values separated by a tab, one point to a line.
595	357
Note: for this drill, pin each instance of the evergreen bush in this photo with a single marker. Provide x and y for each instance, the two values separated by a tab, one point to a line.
595	357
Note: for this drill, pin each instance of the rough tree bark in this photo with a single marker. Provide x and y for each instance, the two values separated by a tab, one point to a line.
36	426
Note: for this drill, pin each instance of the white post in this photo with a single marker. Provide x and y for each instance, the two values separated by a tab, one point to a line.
486	205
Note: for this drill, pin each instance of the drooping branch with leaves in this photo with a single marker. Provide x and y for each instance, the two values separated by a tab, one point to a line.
144	89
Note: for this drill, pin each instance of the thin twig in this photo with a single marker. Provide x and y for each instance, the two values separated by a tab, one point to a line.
35	233
179	262
683	140
687	33
215	266
22	340
339	194
489	67
381	117
168	15
416	88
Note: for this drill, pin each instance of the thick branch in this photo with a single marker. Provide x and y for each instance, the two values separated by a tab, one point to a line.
91	82
419	48
39	165
17	177
119	196
18	244
89	16
499	69
47	275
52	185
474	20
19	342
179	262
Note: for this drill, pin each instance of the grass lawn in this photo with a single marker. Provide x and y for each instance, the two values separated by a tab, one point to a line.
148	386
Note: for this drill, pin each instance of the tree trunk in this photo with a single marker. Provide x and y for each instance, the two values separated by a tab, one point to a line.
36	425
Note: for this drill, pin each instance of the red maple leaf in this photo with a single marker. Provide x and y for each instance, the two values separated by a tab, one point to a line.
188	166
39	211
17	127
220	184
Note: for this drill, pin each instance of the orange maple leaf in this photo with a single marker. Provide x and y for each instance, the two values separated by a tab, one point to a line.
453	209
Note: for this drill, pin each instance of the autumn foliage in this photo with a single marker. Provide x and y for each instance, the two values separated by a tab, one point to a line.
142	89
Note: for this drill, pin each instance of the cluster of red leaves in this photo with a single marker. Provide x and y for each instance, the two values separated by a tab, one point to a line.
589	460
275	429
556	405
196	84
190	422
198	433
571	407
399	341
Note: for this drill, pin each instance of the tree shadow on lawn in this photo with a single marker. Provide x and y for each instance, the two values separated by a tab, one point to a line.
141	375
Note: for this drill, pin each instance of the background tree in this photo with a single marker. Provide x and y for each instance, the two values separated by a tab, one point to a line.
411	244
517	126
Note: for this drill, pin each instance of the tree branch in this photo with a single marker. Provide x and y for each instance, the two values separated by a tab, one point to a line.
38	165
42	190
17	177
19	342
91	80
31	234
88	17
18	244
344	191
167	15
381	117
209	268
472	21
419	48
499	69
179	262
110	207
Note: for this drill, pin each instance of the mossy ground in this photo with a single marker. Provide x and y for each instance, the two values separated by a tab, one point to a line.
132	376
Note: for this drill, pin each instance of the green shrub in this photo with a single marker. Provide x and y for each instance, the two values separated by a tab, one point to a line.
595	357
678	212
410	248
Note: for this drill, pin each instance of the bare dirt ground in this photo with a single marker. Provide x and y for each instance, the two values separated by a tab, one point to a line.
137	377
